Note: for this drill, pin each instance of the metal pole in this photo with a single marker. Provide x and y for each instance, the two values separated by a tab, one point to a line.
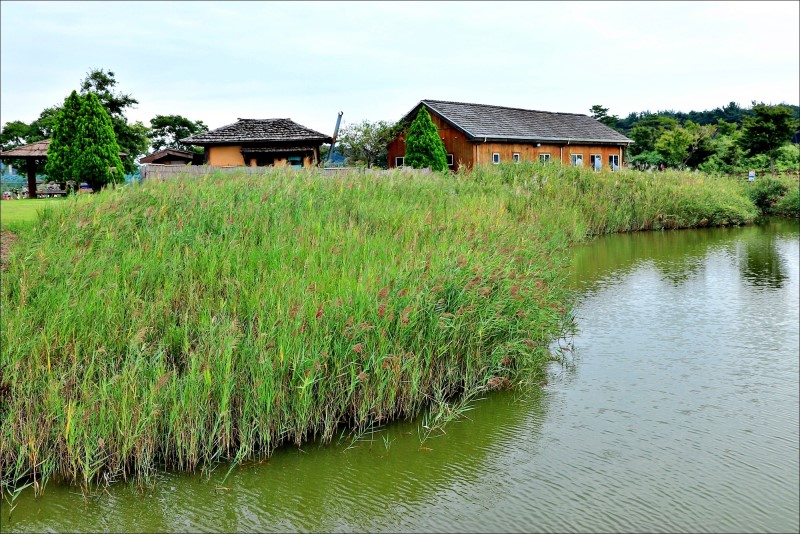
335	133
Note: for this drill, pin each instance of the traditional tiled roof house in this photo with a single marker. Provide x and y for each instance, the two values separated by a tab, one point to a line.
260	142
478	134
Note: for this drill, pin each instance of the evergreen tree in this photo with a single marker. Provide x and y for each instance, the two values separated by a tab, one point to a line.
424	147
96	151
63	143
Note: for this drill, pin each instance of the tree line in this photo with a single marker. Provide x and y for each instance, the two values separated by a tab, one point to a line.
728	139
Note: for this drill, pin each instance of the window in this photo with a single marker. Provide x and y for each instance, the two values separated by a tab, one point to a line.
449	160
613	162
295	161
399	161
496	158
544	158
577	160
596	161
515	157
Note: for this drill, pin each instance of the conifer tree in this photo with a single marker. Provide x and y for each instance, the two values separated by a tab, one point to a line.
61	152
97	160
424	147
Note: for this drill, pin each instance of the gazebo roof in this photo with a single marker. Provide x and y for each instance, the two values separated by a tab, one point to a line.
37	150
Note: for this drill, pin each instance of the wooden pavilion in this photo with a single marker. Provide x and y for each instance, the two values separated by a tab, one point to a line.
34	154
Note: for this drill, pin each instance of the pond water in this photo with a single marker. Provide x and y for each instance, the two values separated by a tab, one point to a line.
679	413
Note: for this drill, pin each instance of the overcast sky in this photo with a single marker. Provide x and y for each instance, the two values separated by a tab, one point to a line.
216	62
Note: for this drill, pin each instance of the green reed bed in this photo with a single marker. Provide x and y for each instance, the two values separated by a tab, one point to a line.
584	203
175	324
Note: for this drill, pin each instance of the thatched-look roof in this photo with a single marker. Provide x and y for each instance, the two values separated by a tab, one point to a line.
37	150
258	131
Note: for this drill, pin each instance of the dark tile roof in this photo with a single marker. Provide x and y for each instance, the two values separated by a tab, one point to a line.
257	130
174	152
481	121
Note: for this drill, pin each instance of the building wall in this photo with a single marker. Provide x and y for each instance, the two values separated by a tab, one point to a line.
224	156
530	152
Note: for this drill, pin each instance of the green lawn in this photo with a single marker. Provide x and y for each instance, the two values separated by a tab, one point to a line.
13	212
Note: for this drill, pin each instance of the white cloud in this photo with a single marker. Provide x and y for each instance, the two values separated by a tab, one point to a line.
374	60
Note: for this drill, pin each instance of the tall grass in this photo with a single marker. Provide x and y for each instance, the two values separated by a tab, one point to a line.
171	325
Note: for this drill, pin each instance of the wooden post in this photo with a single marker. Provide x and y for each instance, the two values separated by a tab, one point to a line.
30	163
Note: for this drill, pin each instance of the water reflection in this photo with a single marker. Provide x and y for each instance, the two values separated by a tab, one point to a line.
763	265
380	483
679	255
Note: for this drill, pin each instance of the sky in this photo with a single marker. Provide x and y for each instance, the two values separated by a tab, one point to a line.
217	62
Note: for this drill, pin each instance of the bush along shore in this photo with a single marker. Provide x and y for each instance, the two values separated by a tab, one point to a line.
176	324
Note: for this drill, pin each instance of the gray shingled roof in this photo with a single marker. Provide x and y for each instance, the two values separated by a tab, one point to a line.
257	130
497	123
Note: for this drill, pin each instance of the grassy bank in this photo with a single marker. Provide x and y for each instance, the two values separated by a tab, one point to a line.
175	324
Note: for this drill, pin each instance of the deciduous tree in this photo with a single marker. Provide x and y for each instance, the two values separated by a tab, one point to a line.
166	131
132	138
767	129
366	142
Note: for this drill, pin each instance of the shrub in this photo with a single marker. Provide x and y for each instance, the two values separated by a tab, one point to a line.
765	192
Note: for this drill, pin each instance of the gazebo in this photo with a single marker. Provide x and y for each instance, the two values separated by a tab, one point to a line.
33	154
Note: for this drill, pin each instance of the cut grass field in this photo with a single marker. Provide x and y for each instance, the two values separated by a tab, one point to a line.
172	325
14	213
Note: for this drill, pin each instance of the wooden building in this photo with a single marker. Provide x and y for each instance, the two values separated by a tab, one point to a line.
478	134
260	142
172	156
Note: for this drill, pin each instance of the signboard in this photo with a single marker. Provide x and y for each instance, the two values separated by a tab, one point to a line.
751	175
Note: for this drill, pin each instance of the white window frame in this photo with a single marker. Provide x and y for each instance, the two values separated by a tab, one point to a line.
544	158
596	157
574	158
613	161
496	158
400	161
450	160
515	157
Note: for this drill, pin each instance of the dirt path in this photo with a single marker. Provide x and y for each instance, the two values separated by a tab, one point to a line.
6	239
